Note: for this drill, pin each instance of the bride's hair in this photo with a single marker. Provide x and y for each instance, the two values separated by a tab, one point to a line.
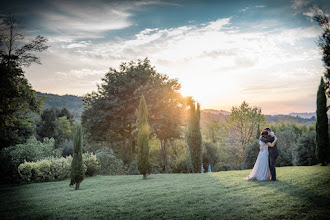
264	134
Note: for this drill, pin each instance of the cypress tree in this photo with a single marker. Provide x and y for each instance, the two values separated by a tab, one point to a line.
77	169
322	138
258	132
143	139
194	137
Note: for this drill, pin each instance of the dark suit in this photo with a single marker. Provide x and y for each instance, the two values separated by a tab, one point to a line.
273	153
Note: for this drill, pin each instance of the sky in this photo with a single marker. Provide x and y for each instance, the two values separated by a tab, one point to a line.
222	52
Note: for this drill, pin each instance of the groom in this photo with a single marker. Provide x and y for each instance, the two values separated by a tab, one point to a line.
273	153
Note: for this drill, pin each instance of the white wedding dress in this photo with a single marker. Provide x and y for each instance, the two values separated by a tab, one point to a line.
261	167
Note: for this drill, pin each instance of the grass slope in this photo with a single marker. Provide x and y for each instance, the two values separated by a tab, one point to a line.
299	193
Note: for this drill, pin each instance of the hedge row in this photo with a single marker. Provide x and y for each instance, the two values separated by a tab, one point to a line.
56	168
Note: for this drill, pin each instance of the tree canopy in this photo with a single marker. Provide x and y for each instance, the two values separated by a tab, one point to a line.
17	98
109	113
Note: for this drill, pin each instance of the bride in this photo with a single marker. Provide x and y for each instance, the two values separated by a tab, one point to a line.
261	167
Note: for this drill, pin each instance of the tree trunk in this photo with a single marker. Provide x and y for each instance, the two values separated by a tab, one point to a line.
77	186
164	154
132	148
124	150
144	176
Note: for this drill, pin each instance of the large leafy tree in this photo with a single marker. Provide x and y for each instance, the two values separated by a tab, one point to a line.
144	165
322	138
242	125
17	98
55	123
109	113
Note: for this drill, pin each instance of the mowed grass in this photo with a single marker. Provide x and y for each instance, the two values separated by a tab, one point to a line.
299	193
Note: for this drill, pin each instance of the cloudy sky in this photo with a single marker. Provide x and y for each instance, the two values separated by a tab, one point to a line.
222	52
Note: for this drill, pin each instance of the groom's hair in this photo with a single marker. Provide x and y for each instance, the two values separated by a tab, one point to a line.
264	134
267	129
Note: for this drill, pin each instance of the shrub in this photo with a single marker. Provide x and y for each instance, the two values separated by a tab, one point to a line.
32	150
133	168
210	155
50	169
304	150
286	140
25	171
222	166
110	164
92	164
67	148
250	154
12	157
42	171
181	162
61	167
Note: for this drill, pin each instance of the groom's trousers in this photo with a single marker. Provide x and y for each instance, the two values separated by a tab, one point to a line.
272	161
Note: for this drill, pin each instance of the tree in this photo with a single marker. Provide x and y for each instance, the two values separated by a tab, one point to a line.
322	138
14	54
250	154
242	123
258	132
194	136
324	44
109	113
77	169
17	98
304	151
143	138
55	123
213	130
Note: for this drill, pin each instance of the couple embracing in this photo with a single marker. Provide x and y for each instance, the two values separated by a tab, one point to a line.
264	168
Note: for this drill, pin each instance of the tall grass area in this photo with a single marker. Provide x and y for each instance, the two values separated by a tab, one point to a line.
299	193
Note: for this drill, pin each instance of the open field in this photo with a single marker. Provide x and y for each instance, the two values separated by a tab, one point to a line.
299	193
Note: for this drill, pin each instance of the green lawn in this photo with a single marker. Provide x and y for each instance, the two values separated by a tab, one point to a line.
299	193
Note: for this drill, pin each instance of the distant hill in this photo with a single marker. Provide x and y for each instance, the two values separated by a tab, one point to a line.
288	118
73	103
304	115
213	111
219	115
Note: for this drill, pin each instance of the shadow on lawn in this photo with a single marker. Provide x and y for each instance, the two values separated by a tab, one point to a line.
318	200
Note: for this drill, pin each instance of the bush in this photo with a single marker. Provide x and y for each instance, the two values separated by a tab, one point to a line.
55	168
67	148
61	167
110	164
25	171
222	166
12	157
181	162
42	171
210	155
32	150
92	164
286	140
133	168
250	154
304	150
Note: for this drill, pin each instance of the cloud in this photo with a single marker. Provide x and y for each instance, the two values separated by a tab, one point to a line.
217	57
299	4
307	8
87	18
92	18
311	12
